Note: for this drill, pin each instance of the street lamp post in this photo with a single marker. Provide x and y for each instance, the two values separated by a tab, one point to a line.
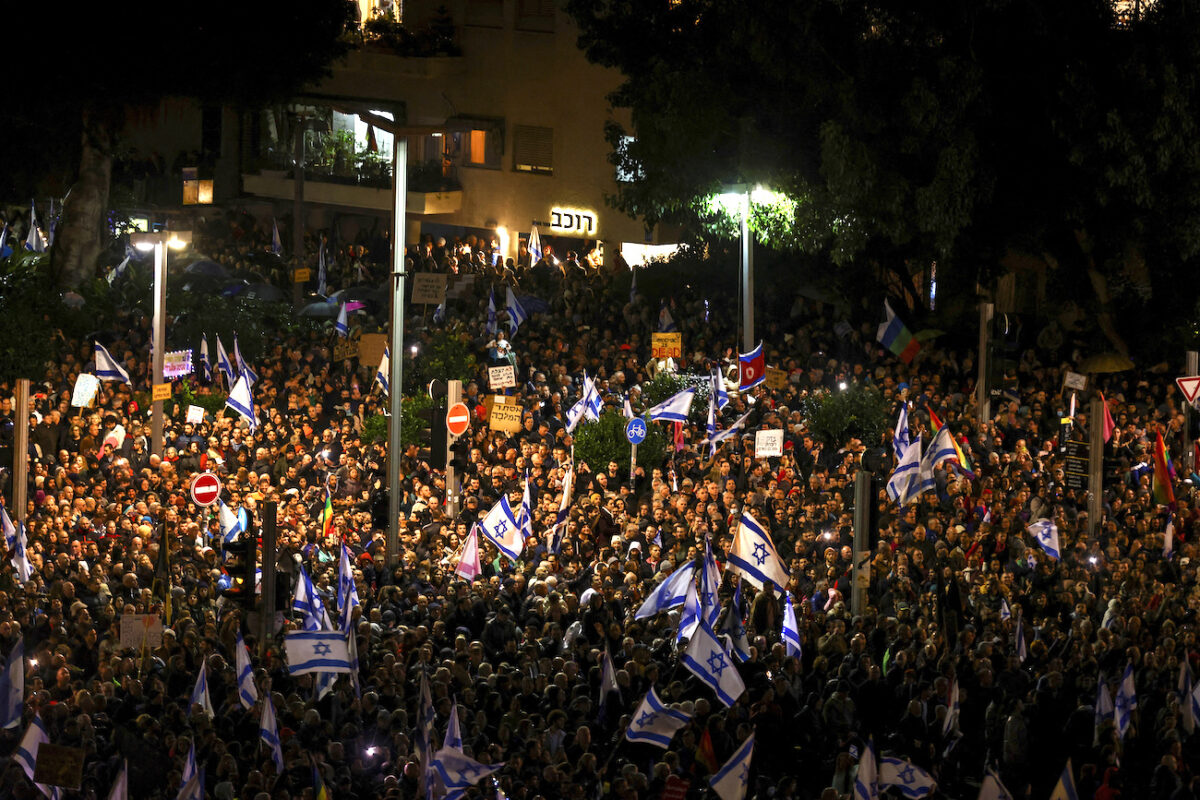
159	243
747	277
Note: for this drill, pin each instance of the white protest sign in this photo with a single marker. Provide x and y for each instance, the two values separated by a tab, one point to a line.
768	444
501	377
139	628
86	386
195	415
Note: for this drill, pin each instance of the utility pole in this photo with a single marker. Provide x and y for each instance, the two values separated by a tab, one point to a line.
453	395
1095	464
1190	368
267	608
396	379
21	450
983	392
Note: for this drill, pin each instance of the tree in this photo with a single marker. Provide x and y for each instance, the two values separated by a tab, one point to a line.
903	133
95	66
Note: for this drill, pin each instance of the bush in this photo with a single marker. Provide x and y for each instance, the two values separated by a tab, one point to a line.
444	355
836	417
666	384
598	443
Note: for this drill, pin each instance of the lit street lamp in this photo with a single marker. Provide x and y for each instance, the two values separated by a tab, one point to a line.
159	243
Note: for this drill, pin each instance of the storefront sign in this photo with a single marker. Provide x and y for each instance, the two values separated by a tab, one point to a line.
579	221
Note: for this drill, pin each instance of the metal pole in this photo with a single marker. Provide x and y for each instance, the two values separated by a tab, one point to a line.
21	450
1191	367
160	327
453	395
396	381
267	609
298	209
983	394
862	541
1095	464
748	342
632	461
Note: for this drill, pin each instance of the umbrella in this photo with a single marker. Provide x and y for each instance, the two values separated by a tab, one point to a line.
265	292
205	267
320	310
1106	362
361	292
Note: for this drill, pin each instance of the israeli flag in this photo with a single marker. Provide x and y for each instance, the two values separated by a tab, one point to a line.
1126	702
20	558
231	524
1065	788
120	786
710	584
26	754
205	364
689	619
342	326
4	242
108	368
654	723
242	366
516	313
866	782
453	738
710	427
718	390
535	247
383	374
587	407
491	312
247	691
241	401
709	662
459	772
12	687
8	529
525	518
1022	650
903	436
715	439
733	628
306	601
1046	533
276	242
670	593
904	484
190	772
347	591
666	323
34	242
316	651
501	528
675	408
952	713
627	409
1103	708
439	313
754	557
564	506
730	781
200	691
992	788
268	733
224	364
906	777
1005	611
791	629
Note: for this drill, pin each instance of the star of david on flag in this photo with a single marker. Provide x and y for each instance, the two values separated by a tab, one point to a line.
907	778
316	651
670	593
708	661
1046	533
730	782
500	527
754	557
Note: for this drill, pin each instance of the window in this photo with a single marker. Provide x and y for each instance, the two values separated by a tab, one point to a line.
535	15
477	153
474	141
533	149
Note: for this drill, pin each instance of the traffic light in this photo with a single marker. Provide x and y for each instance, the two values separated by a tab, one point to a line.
241	562
432	439
460	454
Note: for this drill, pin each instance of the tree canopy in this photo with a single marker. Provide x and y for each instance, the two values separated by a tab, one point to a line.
911	132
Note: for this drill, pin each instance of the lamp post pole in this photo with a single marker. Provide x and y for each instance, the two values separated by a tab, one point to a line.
396	379
159	342
747	277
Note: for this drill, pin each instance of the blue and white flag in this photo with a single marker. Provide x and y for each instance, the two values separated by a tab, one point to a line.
342	325
276	242
1104	707
4	242
906	777
666	323
718	390
627	409
205	364
316	651
20	557
535	247
193	787
709	662
439	313
710	426
586	407
247	691
34	241
501	528
608	681
952	710
710	584
200	691
1005	611
26	754
383	374
675	408
120	786
12	687
733	628
940	449
268	732
670	593
242	366
1126	702
8	529
190	771
728	433
347	591
992	788
453	738
424	736
108	368
306	601
905	483
224	364
791	629
654	723
1065	788
866	782
754	557
242	401
633	285
525	514
492	327
902	437
1046	533
516	313
731	780
1019	637
322	275
459	772
231	524
564	506
689	617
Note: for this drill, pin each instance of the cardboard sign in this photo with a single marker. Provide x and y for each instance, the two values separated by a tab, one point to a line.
429	288
195	415
776	378
371	347
505	415
162	391
768	444
86	386
59	766
501	377
345	348
302	275
666	345
460	286
177	363
1073	380
136	628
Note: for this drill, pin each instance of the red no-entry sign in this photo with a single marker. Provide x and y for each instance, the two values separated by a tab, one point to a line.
205	489
458	419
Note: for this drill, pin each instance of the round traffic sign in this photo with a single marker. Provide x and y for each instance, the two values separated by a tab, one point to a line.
635	431
205	489
458	419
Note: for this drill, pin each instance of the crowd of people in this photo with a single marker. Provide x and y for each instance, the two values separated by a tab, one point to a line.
519	650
